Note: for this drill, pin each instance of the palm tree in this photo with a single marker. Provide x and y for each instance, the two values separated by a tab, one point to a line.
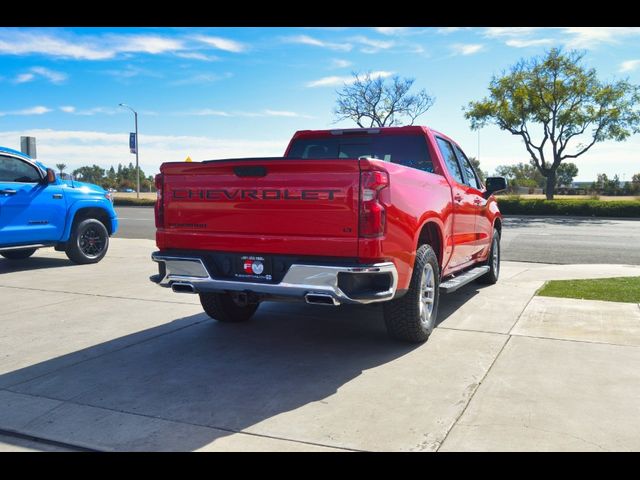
61	167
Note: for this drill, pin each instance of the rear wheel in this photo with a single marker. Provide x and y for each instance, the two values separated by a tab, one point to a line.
493	262
412	317
18	254
226	307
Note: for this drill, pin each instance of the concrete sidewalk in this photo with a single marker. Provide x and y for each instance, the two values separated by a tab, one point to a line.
97	357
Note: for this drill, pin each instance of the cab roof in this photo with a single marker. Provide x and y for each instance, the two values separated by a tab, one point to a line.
14	152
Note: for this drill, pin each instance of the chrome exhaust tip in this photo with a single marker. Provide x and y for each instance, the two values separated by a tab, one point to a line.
183	288
321	299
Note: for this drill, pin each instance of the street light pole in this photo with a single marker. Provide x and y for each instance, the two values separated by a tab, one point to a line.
135	116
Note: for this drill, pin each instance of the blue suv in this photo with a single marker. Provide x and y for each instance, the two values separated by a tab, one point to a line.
37	210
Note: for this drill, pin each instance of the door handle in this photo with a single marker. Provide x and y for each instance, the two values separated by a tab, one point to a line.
458	198
477	201
8	192
57	196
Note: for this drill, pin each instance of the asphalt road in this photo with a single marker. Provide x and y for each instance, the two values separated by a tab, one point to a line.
564	240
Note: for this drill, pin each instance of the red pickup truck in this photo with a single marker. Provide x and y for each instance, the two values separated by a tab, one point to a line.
390	215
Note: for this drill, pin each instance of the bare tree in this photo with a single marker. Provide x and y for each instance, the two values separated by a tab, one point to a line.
373	102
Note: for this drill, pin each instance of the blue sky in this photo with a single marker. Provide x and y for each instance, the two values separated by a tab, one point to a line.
227	92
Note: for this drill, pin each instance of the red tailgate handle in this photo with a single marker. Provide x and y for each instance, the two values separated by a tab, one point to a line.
251	171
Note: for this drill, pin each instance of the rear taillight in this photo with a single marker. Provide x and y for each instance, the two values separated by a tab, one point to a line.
159	207
372	211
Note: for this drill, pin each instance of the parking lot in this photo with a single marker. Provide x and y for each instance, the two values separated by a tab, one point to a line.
96	357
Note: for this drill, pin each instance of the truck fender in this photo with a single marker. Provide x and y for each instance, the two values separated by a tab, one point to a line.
73	210
441	247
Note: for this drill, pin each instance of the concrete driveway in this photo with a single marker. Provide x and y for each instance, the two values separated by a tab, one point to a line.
97	357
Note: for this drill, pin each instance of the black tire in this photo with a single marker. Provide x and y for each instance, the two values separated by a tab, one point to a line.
223	308
18	254
493	261
88	242
403	315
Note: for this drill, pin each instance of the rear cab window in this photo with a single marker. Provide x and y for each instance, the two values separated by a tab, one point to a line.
408	150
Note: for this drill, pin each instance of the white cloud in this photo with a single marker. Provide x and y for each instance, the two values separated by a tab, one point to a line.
78	148
629	65
466	48
222	43
37	110
152	44
307	40
338	81
582	38
207	112
372	45
449	30
532	42
332	81
391	30
51	75
16	41
41	72
339	63
90	111
197	56
24	78
591	37
284	113
501	32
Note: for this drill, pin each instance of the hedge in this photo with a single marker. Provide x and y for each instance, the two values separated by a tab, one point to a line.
133	202
513	206
582	208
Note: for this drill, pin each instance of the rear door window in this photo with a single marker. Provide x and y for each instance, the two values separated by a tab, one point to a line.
450	160
470	174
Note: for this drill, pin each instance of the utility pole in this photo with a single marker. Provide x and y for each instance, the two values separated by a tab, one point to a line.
135	116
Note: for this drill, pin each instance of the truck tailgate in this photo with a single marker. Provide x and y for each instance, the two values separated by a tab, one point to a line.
262	206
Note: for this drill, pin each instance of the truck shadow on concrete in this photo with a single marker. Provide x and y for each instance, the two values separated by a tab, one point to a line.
201	373
33	263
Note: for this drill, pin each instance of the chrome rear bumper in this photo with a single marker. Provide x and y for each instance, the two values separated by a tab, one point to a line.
304	282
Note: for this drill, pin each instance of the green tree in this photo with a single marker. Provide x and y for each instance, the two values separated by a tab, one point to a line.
565	174
565	102
375	102
635	184
93	174
61	167
608	186
521	175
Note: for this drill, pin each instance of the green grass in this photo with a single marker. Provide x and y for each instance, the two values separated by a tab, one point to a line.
621	289
510	205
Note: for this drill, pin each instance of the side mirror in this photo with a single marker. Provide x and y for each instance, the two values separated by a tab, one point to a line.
495	184
51	176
